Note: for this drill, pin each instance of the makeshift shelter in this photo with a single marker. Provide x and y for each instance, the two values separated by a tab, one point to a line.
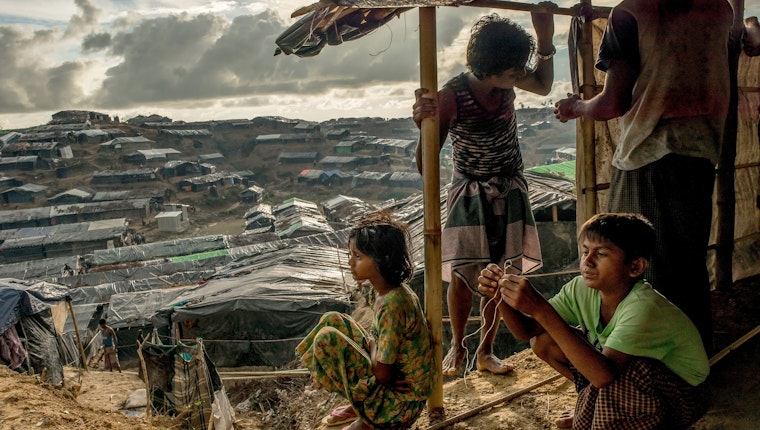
27	163
169	221
297	157
73	195
257	308
128	144
182	381
736	249
27	193
29	315
252	194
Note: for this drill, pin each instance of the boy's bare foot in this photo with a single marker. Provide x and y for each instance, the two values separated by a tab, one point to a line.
452	362
565	420
491	363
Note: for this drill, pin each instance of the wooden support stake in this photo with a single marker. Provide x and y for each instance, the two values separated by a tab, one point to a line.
431	174
587	148
76	331
148	394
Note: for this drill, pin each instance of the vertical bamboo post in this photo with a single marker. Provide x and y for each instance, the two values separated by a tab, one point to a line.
429	140
588	201
148	394
76	331
29	369
725	199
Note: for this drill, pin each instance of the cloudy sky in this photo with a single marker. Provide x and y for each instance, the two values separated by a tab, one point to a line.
198	60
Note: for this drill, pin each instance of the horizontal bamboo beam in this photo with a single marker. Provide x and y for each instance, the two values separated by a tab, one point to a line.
597	11
739	342
479	409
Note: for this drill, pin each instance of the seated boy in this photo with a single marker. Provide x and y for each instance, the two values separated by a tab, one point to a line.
636	359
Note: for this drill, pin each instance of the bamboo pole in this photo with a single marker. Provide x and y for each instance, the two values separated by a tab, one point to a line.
725	200
429	139
148	395
479	409
269	374
736	344
76	331
598	12
586	125
29	369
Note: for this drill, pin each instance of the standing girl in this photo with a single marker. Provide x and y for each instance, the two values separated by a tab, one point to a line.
489	218
386	374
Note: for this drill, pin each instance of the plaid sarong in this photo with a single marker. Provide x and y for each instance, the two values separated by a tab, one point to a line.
488	222
646	395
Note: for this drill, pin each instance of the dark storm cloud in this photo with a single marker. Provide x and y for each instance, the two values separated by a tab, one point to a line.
84	23
187	60
25	84
96	42
204	57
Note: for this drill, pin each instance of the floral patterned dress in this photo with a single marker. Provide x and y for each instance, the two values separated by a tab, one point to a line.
336	354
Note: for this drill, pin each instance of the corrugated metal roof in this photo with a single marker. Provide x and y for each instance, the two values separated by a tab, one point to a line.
564	170
194	132
31	188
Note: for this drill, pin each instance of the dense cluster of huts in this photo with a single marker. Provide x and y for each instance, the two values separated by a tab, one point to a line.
250	297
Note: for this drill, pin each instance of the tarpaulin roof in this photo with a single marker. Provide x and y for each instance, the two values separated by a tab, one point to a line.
19	298
337	21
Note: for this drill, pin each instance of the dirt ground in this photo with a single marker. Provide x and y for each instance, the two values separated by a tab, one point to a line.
93	399
87	400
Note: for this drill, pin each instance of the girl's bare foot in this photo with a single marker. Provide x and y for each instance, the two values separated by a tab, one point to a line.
358	425
491	363
340	415
453	360
565	420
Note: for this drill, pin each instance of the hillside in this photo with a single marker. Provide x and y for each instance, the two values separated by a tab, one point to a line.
236	141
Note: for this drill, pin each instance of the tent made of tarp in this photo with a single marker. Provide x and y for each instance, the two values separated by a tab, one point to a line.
30	313
182	380
257	309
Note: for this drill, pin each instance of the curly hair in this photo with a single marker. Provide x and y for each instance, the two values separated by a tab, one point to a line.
498	44
387	241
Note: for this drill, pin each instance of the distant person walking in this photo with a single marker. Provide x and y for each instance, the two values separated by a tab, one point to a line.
110	343
489	219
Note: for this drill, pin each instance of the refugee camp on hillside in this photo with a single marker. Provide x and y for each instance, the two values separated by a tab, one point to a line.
207	323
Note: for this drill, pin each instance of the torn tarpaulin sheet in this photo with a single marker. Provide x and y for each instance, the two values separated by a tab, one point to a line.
331	25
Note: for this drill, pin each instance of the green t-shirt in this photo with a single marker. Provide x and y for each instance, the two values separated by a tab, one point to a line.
645	324
403	340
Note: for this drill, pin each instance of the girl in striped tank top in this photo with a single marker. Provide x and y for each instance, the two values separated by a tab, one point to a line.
489	216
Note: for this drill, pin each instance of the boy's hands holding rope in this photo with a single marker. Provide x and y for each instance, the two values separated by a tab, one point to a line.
515	290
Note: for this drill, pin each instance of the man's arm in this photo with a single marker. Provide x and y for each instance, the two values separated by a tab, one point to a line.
612	102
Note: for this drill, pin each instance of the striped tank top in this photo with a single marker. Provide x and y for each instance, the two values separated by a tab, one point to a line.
484	142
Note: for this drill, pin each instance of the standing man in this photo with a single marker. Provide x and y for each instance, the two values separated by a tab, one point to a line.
109	346
667	78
